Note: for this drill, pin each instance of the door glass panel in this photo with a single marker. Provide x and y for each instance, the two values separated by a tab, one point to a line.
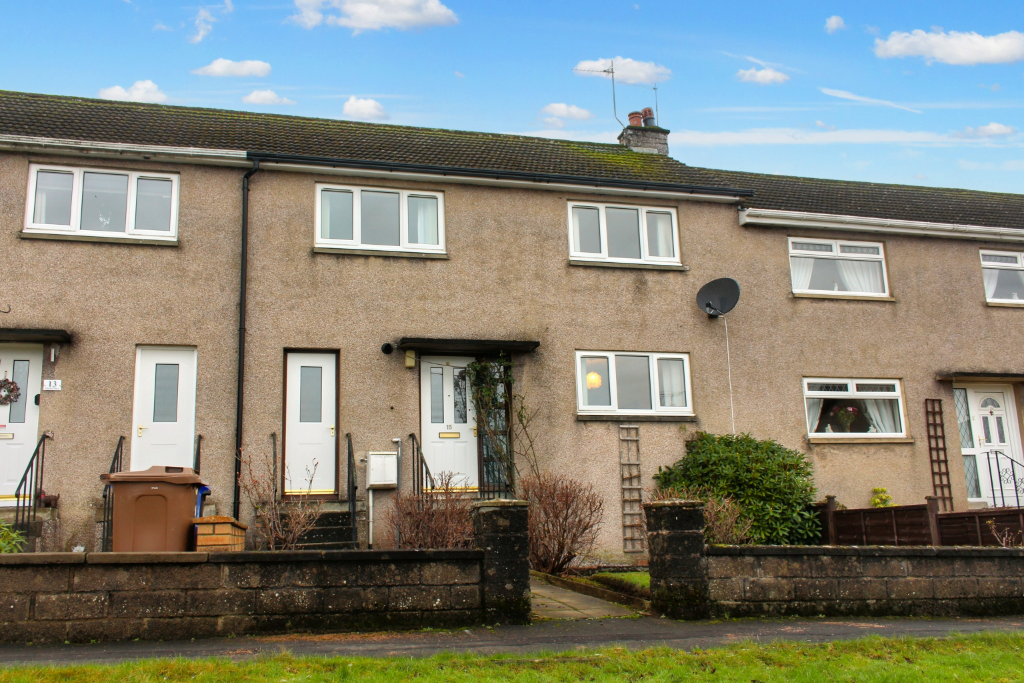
990	403
999	429
623	233
595	376
422	220
165	393
671	383
437	395
336	214
586	229
380	218
153	205
20	377
633	382
104	202
963	418
986	430
971	475
461	407
53	198
311	393
659	234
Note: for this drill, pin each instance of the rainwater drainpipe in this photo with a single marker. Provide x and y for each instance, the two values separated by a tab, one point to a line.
243	277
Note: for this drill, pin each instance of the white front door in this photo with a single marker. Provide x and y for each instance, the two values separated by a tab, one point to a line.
164	420
449	419
310	451
995	445
19	421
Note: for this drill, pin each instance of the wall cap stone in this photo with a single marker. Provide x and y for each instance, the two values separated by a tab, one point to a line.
675	503
144	558
863	551
42	558
499	503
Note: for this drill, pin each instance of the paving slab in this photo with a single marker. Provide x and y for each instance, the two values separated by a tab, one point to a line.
553	602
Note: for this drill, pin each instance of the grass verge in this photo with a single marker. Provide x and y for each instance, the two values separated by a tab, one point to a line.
980	657
631	583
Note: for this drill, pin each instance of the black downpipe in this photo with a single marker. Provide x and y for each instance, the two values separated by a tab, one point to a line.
242	290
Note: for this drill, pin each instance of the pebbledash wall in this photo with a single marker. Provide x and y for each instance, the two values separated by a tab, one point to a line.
691	580
81	597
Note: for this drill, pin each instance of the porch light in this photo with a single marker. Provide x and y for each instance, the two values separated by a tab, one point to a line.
593	380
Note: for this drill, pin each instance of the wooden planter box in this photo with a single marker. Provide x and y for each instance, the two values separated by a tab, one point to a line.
219	534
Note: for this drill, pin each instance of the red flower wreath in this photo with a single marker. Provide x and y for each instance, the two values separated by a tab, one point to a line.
9	391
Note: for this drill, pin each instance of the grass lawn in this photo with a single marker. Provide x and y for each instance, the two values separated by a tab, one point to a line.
984	657
639	579
631	583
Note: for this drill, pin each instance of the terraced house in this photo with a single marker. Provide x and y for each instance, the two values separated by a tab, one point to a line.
174	273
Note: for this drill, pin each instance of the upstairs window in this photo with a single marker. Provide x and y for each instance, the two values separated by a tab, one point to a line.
102	203
630	383
379	219
1003	272
854	407
836	267
623	234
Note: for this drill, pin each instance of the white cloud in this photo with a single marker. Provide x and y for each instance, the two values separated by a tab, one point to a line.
995	87
802	136
823	125
160	26
567	111
987	131
265	97
364	109
965	49
459	74
554	122
626	70
140	91
226	67
834	23
765	76
228	6
204	24
844	95
373	15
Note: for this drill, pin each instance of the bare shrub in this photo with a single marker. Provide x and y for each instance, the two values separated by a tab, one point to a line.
1007	538
439	519
724	523
277	525
565	517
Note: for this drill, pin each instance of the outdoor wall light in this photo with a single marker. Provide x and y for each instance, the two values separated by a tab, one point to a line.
387	349
593	380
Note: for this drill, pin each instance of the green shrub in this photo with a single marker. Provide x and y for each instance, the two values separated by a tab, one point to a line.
880	498
11	541
772	484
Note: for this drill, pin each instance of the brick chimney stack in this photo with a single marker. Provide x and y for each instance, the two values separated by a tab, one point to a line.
643	134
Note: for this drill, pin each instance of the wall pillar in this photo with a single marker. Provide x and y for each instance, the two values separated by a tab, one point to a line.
679	563
501	530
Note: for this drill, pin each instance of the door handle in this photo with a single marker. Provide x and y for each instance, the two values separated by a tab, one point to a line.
332	430
474	431
141	428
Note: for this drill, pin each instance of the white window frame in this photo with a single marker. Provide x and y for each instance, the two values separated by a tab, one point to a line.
76	204
645	257
837	254
613	409
403	220
853	393
1002	266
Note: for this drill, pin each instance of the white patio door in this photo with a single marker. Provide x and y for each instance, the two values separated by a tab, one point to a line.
19	421
996	444
164	419
448	419
311	437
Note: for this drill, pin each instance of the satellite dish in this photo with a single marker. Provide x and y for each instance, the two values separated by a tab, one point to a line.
718	297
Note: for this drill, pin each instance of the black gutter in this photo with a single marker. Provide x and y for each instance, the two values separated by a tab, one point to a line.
273	157
242	291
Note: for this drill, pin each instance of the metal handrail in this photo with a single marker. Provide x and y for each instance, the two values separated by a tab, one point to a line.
420	469
352	490
30	488
198	456
108	498
1015	480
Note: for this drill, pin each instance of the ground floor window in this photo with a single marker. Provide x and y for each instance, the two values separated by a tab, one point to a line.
630	383
854	407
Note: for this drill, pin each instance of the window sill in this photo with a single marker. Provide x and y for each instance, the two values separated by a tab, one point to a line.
341	251
635	266
847	297
1005	304
72	237
635	418
858	440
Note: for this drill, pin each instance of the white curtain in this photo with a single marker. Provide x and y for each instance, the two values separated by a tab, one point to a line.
801	269
862	276
671	383
991	276
813	413
884	414
426	220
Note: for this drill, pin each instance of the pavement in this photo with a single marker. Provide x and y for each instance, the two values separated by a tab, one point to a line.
564	621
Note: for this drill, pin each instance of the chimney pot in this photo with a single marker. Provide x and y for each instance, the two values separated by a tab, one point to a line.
648	116
636	118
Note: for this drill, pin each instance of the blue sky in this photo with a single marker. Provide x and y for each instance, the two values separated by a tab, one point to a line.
926	93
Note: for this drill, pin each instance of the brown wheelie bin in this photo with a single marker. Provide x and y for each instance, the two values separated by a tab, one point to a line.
153	509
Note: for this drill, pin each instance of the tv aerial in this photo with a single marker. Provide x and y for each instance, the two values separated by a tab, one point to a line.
717	298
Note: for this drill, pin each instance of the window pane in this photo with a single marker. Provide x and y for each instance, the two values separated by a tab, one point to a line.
857	416
659	234
820	386
379	223
671	383
1000	430
999	258
153	205
104	202
423	220
461	416
53	198
812	246
586	229
20	377
838	275
851	249
597	390
311	393
1004	284
963	418
336	214
633	382
436	395
165	393
890	388
971	475
623	233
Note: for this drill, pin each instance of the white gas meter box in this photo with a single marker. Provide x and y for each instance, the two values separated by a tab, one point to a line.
382	470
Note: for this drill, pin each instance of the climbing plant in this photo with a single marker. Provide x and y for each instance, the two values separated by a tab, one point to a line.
490	382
